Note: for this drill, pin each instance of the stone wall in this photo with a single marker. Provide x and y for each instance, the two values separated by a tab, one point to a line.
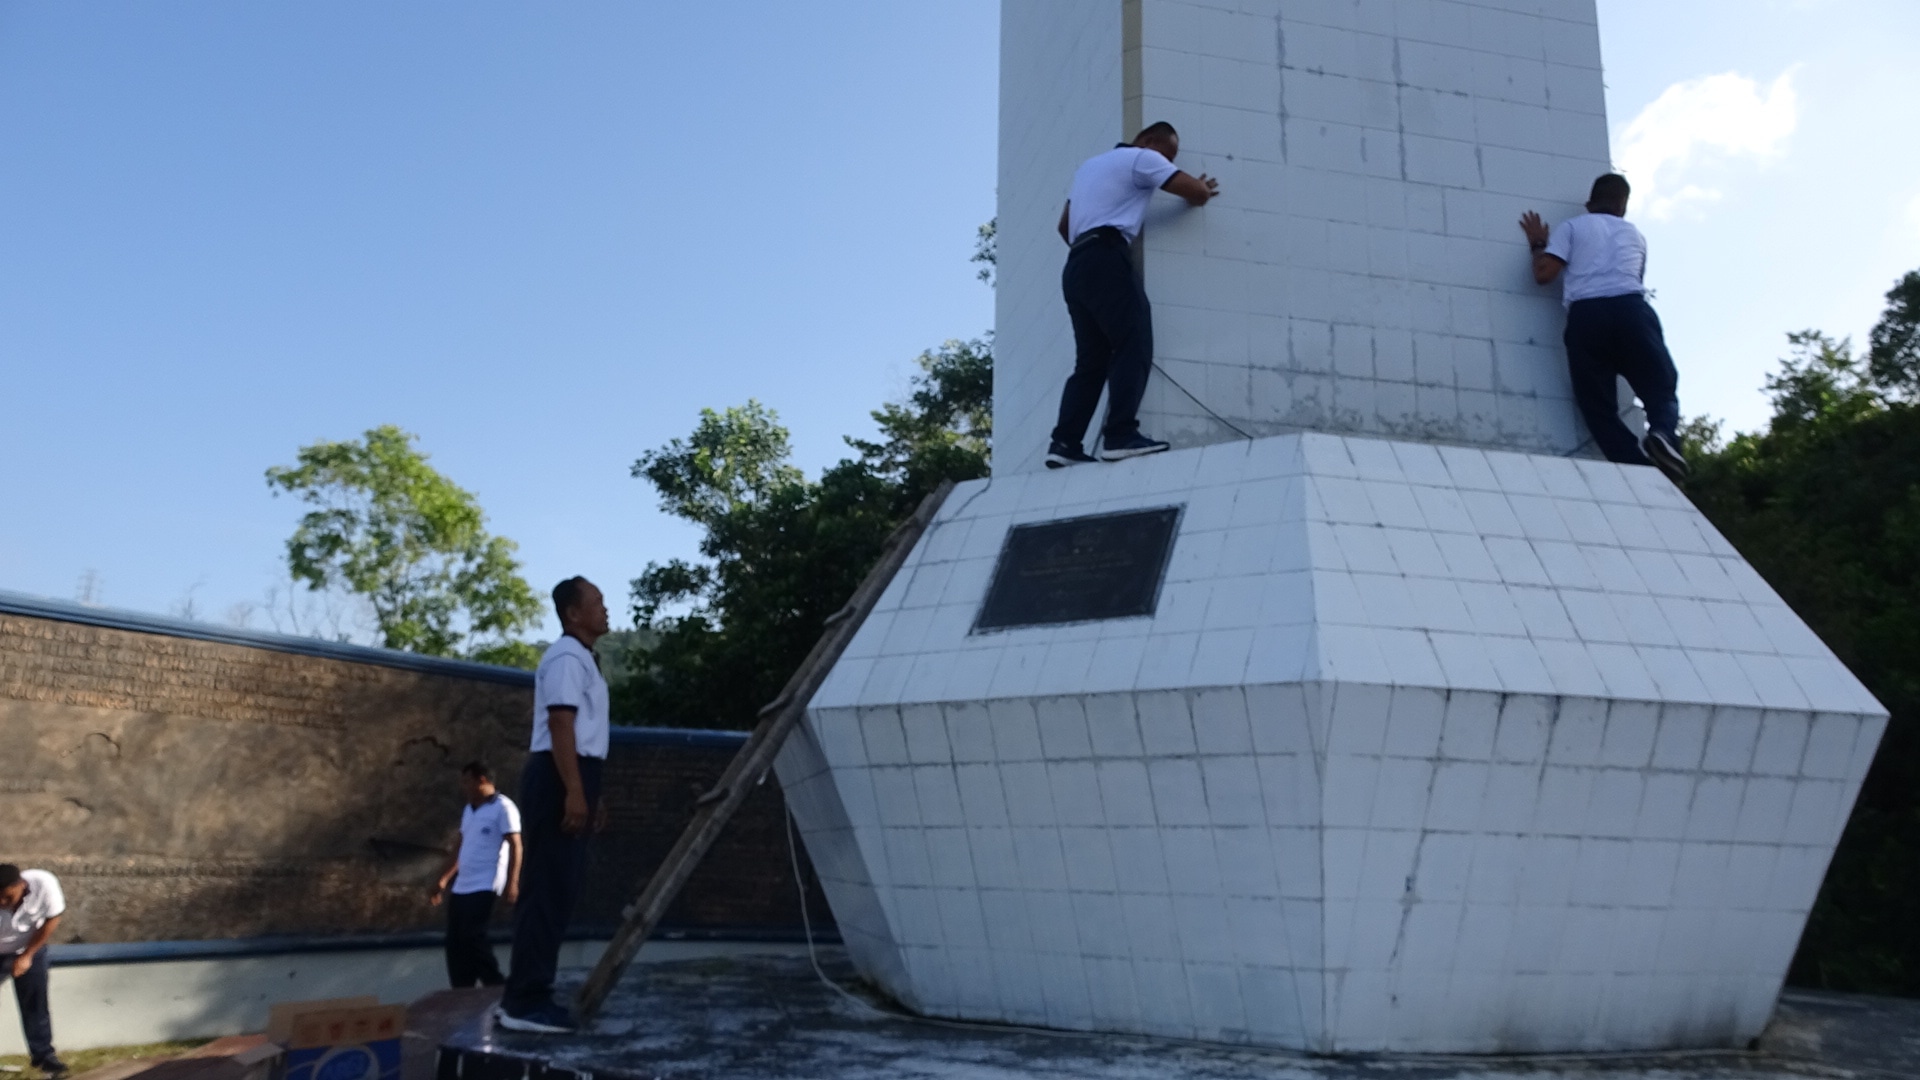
746	882
185	788
190	782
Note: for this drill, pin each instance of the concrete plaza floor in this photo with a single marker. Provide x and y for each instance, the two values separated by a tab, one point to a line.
205	995
768	1017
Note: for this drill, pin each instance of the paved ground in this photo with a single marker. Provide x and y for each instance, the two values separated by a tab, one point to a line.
769	1018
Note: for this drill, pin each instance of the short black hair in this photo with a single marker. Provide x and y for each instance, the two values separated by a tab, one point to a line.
1159	129
479	770
1611	188
568	593
9	875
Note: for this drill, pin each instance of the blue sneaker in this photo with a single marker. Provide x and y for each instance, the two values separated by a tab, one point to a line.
548	1019
1134	445
1060	455
1666	456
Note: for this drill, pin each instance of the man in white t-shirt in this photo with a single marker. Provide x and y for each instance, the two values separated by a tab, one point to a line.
1112	321
486	865
1612	332
560	803
31	904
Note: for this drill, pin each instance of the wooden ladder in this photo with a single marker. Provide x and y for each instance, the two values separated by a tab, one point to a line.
776	721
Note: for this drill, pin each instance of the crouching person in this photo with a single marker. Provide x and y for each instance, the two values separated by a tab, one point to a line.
30	908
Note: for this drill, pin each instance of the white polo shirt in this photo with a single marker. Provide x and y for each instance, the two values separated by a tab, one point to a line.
568	675
483	845
1605	256
43	901
1114	188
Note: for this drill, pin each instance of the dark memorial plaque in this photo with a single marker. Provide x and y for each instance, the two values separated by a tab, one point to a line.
1081	569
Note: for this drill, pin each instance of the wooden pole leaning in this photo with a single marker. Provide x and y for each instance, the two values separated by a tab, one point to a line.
776	721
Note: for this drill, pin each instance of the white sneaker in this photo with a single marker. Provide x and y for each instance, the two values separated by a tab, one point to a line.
548	1019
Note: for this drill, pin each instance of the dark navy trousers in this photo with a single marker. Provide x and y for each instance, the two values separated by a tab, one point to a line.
1619	337
36	1019
1112	338
553	873
470	959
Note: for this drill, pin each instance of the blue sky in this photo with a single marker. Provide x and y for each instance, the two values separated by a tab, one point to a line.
543	237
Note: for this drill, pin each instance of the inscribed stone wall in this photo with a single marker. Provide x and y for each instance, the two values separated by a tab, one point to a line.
188	789
193	789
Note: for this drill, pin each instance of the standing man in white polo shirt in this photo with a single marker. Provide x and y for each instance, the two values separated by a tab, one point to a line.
31	904
1612	332
486	865
559	803
1112	321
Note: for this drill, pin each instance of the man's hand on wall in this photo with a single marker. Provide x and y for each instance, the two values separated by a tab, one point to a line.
1536	230
1545	267
1195	189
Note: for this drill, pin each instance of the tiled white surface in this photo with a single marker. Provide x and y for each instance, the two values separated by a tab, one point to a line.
1060	101
1424	749
1362	270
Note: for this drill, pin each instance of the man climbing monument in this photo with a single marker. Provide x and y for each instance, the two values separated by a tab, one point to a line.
1612	332
1112	321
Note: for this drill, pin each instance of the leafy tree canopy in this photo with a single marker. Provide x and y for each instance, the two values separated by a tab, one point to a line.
1894	346
1826	505
389	527
986	250
779	552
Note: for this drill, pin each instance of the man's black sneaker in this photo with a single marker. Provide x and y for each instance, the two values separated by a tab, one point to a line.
1666	456
1060	455
52	1067
548	1019
1135	445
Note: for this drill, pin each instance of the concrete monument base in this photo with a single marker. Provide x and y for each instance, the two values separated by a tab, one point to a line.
1421	748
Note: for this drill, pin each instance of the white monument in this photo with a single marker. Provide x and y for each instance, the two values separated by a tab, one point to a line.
1424	732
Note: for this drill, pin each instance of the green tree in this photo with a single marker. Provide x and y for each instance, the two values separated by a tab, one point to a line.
1893	352
779	553
944	430
1821	387
1826	505
986	250
389	527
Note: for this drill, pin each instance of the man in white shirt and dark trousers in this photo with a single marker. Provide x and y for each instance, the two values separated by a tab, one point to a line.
1612	332
1112	321
486	865
559	804
31	904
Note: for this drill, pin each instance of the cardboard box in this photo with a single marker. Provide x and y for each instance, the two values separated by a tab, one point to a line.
280	1017
359	1042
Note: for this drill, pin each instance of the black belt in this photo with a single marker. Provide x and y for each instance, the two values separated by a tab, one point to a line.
1103	232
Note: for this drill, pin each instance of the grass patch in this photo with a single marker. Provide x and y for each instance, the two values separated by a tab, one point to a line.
80	1061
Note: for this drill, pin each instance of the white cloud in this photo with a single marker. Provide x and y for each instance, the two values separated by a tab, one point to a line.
1715	118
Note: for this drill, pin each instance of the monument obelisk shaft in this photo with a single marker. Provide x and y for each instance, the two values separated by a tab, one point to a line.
1360	275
